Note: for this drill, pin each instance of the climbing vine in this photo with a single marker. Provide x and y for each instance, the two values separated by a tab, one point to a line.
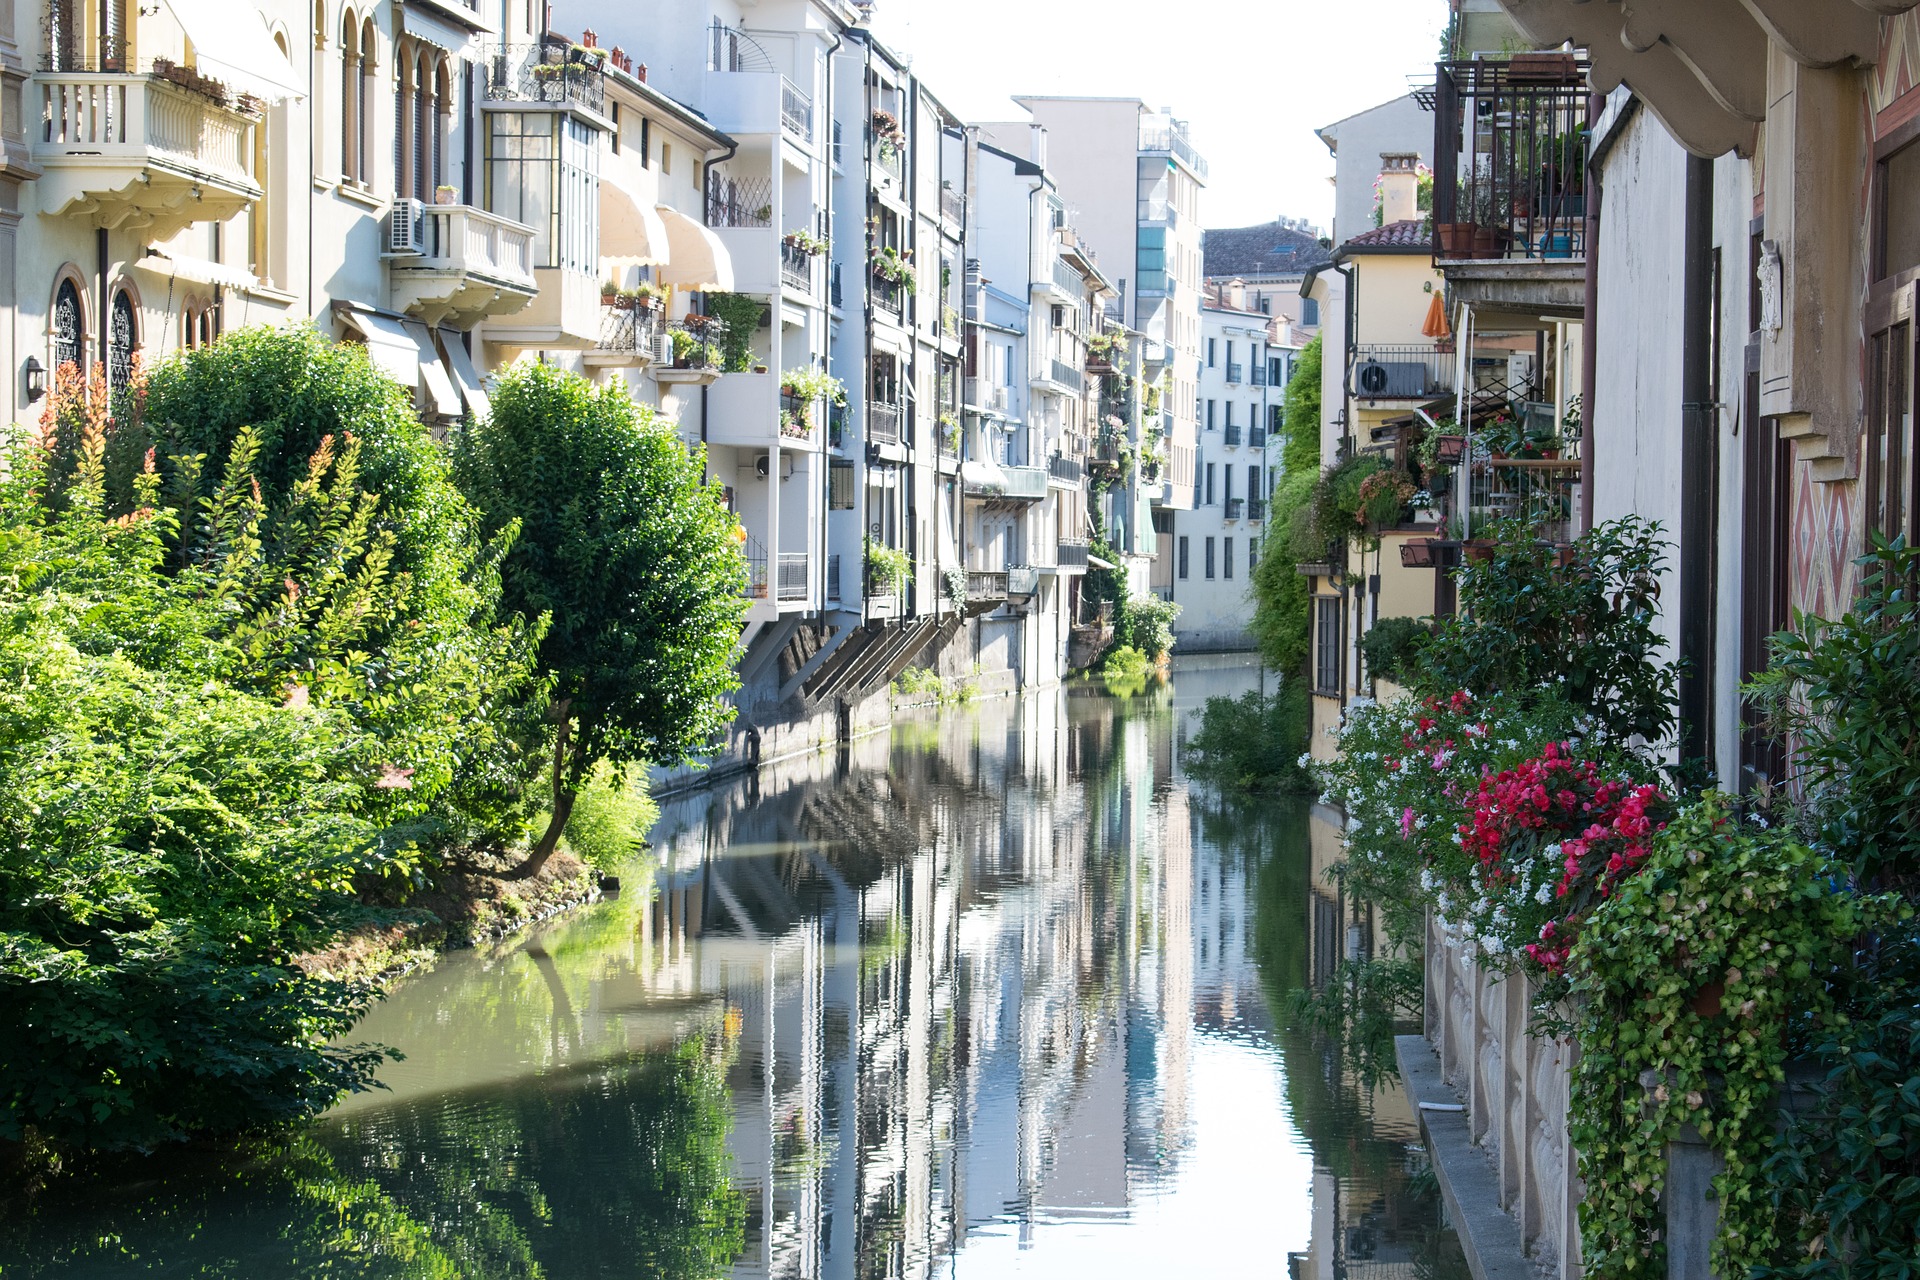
1694	975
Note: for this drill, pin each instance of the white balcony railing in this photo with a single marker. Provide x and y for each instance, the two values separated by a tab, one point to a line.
462	238
109	117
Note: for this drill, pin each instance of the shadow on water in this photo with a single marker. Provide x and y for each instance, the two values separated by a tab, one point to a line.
998	993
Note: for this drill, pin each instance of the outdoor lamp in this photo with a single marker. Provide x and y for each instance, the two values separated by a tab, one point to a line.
36	379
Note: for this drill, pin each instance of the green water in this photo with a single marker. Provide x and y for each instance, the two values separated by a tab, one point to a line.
998	993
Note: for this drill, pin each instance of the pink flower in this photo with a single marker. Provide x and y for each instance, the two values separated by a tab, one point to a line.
1406	823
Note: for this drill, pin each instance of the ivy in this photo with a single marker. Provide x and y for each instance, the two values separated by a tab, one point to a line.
740	314
1692	975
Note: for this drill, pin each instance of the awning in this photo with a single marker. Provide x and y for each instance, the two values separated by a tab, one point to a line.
404	351
1098	563
465	377
695	257
231	44
173	266
631	233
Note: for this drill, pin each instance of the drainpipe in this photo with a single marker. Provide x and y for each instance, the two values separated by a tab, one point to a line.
1589	335
826	357
1697	426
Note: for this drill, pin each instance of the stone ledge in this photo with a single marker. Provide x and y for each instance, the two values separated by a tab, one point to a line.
1468	1184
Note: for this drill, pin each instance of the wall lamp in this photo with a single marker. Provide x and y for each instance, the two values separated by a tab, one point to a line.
36	379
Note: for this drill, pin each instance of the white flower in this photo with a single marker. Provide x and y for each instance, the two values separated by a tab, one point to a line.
1545	895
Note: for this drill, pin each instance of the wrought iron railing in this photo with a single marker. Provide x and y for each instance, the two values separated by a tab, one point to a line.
1236	507
1256	508
1071	470
1067	280
1072	555
1405	370
1257	437
755	585
626	330
889	296
740	202
1510	154
796	267
550	71
1232	434
1236	373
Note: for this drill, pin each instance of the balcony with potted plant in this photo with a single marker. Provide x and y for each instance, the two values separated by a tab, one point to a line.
630	325
893	281
697	357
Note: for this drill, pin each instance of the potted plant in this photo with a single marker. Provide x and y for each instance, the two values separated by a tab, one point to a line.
444	194
893	265
1456	238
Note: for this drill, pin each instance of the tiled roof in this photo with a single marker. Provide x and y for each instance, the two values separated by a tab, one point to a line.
1411	234
1267	249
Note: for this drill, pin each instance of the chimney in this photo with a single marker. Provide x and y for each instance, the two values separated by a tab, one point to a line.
1399	187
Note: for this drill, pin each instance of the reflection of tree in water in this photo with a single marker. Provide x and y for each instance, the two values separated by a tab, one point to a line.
621	1170
1387	1213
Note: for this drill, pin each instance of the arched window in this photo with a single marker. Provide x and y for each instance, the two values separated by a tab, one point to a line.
369	66
68	330
349	99
122	340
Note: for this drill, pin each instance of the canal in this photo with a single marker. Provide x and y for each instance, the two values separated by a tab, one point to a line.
1001	992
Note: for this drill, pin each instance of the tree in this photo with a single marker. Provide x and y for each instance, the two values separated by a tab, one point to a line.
1280	596
630	552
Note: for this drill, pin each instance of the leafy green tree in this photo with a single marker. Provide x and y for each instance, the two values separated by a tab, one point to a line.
171	842
1280	594
630	552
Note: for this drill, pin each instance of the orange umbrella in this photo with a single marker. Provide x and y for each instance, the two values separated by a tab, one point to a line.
1436	325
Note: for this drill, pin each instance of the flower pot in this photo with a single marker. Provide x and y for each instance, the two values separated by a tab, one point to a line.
445	195
1456	238
1487	242
1479	550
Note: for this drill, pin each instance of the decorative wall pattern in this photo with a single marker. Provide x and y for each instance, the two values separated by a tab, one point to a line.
1822	578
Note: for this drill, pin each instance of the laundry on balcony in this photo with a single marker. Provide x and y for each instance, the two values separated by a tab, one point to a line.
695	257
232	44
404	350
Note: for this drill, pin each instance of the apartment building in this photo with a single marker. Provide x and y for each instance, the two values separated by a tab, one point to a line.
1268	261
1212	549
1130	179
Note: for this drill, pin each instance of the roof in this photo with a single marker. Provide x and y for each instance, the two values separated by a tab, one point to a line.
1409	236
1266	250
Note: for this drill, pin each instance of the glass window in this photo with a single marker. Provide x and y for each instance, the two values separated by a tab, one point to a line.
1183	555
1226	557
1209	557
1326	646
69	338
540	165
1900	211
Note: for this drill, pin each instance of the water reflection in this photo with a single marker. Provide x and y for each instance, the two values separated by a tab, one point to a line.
995	994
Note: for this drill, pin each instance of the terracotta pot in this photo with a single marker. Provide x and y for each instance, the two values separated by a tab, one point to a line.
1479	549
1486	241
1456	238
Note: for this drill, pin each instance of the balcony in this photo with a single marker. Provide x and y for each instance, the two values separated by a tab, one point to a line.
755	586
985	396
1163	134
1236	508
792	574
138	151
1256	508
1072	555
1256	437
796	268
796	112
461	265
833	579
696	360
889	297
887	156
740	202
628	337
1158	212
1236	374
1069	471
1259	375
953	206
1402	372
1510	154
986	584
551	72
1067	280
1067	375
1022	580
1021	483
883	423
1232	435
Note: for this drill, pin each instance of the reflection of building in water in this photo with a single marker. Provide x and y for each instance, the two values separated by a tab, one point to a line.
948	975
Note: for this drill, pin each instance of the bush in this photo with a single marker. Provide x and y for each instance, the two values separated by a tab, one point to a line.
1392	645
1146	624
1585	629
1125	664
1848	694
1281	597
1254	742
611	818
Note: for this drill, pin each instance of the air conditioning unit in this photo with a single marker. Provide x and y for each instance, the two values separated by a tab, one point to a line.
762	469
1390	380
407	227
661	349
1520	371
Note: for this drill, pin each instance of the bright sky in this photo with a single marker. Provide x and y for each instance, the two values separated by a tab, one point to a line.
1253	78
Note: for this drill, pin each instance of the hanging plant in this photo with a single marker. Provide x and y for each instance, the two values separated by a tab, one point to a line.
739	315
891	264
888	569
805	243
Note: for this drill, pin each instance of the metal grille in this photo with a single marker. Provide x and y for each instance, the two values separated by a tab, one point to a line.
120	341
67	336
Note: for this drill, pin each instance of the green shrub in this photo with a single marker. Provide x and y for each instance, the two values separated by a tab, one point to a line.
1125	664
1254	742
1392	645
1146	624
611	817
1281	596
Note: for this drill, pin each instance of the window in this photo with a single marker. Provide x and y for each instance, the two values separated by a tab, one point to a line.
1253	555
1253	483
1898	178
666	157
1229	417
1209	415
68	330
1229	353
1227	475
1209	501
122	340
1209	557
839	486
1226	557
1310	312
646	143
613	139
350	104
422	110
1275	375
1183	557
1274	418
1890	474
1326	645
538	166
1210	352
